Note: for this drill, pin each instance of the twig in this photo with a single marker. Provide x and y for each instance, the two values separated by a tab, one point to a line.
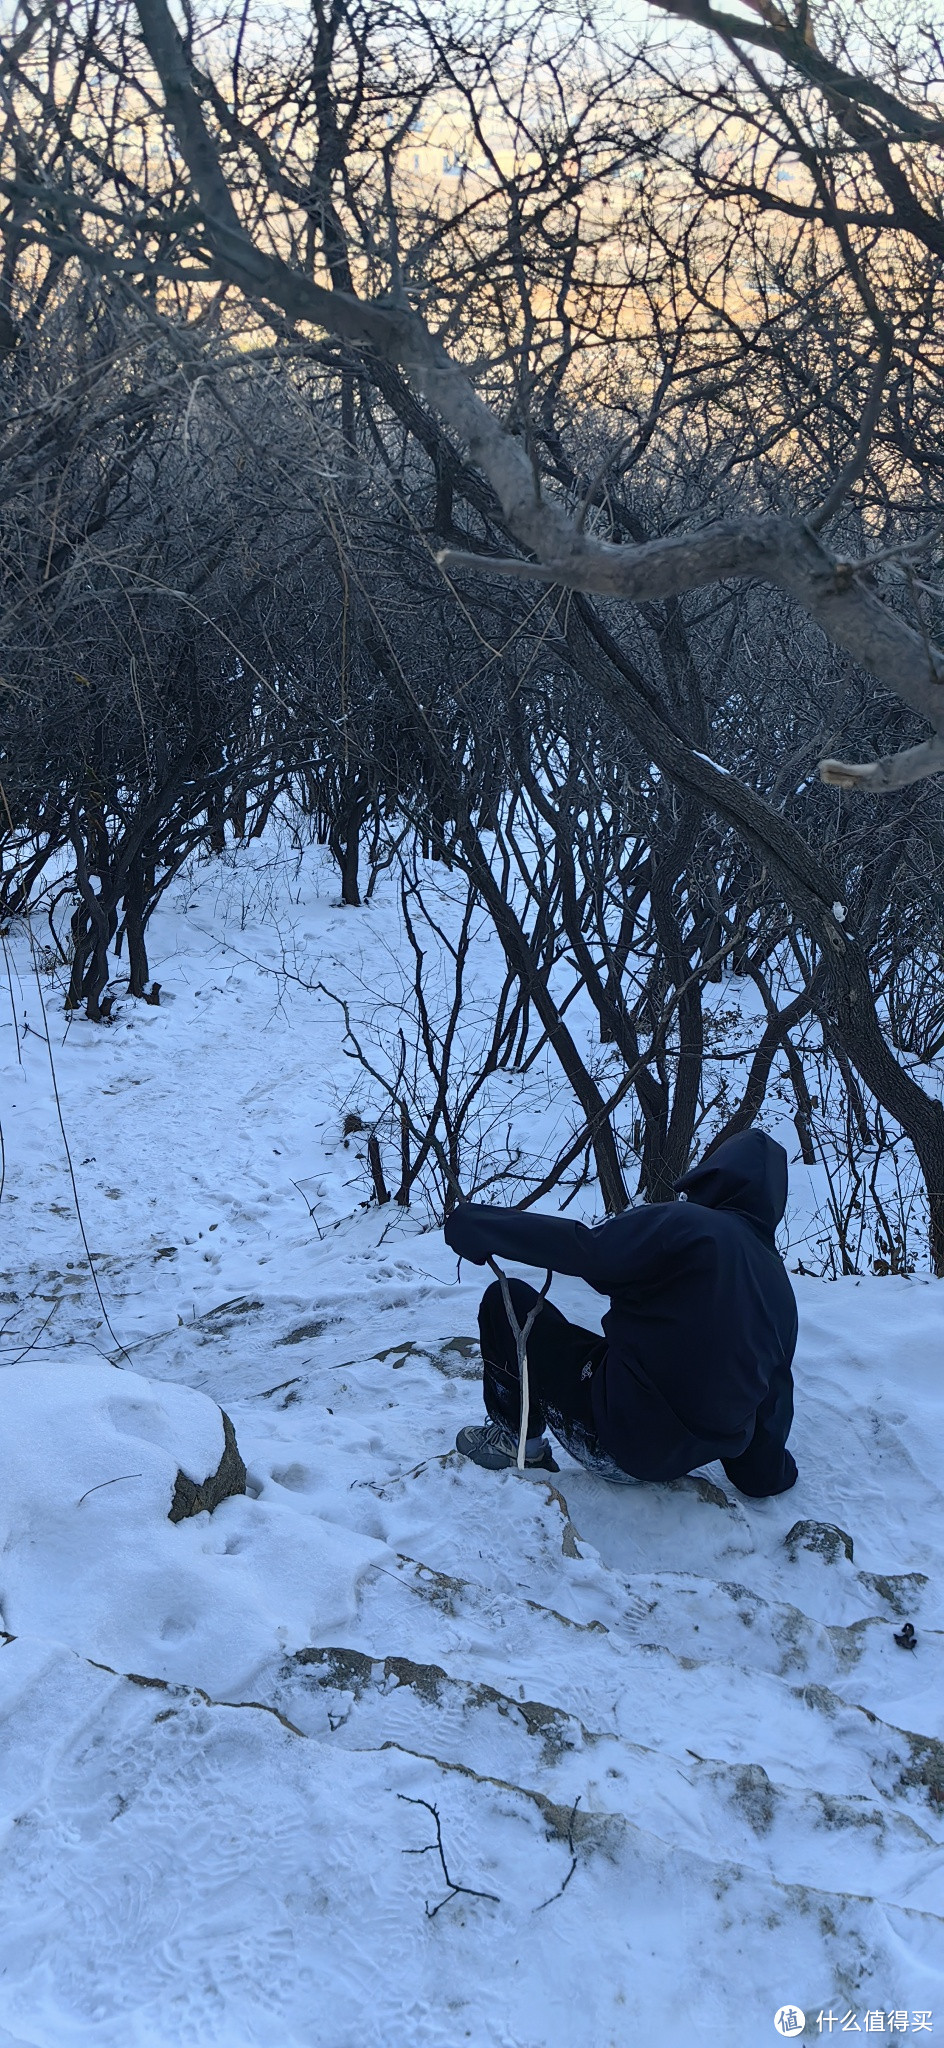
16	1032
297	1184
521	1334
573	1859
34	1340
454	1888
855	467
119	1476
75	1192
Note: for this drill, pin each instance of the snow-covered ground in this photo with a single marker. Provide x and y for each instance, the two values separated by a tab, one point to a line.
679	1762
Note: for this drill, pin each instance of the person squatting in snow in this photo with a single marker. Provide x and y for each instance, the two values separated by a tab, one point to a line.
695	1360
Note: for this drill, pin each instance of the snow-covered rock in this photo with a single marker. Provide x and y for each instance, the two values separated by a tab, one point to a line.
70	1429
90	1459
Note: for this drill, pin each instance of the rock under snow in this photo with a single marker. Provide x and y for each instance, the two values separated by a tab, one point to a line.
229	1478
69	1430
97	1468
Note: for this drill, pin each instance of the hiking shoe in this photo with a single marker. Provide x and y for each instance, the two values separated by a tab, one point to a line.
492	1445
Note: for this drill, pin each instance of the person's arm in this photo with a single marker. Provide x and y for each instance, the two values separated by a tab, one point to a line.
767	1467
604	1255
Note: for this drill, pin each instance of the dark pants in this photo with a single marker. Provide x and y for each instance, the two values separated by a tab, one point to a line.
562	1359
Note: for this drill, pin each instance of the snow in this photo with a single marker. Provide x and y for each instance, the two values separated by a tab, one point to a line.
92	1458
716	765
683	1755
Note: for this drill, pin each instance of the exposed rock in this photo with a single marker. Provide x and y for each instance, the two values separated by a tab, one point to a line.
703	1489
460	1358
825	1539
926	1768
901	1590
570	1536
756	1796
229	1477
305	1333
354	1671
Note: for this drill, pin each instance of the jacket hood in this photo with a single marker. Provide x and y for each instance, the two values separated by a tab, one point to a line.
747	1175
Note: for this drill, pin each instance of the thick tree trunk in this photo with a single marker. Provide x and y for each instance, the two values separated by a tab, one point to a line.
345	842
91	936
350	862
138	969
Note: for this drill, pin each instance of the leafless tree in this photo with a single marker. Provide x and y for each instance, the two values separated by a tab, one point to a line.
634	358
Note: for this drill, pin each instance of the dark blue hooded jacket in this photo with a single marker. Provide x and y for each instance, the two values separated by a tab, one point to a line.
702	1322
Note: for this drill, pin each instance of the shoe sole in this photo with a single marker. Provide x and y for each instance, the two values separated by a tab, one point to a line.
511	1465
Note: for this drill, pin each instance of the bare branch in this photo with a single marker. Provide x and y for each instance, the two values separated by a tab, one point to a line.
782	551
855	466
894	771
795	46
468	1891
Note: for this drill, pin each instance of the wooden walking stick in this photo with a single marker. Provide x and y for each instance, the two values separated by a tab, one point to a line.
521	1334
